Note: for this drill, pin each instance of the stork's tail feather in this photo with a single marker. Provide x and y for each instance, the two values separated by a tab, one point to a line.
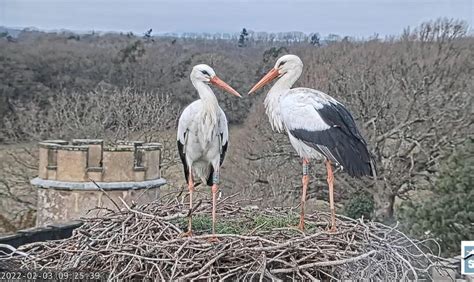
356	159
209	177
346	150
204	172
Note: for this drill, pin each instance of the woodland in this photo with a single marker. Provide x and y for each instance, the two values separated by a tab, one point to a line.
410	94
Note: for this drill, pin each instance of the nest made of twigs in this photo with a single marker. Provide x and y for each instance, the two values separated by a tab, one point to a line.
145	242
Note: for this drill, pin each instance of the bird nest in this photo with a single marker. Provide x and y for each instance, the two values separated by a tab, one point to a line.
146	242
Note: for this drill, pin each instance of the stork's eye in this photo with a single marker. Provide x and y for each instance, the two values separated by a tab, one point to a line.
205	72
281	63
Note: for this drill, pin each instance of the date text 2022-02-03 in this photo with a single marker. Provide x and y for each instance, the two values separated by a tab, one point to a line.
48	275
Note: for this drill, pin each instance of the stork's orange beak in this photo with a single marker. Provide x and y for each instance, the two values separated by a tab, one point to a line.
271	75
219	82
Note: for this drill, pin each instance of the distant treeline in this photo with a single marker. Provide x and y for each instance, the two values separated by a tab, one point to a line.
250	35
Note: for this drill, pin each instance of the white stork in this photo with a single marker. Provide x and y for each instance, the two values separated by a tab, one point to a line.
319	127
203	135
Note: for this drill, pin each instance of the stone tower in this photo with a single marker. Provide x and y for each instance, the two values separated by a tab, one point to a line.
68	170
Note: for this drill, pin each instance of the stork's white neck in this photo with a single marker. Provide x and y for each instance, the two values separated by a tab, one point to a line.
272	100
209	100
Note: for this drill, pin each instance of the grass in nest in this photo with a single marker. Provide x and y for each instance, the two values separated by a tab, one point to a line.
246	224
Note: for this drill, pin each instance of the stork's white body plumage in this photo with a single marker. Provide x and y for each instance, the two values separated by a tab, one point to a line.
297	108
318	126
203	135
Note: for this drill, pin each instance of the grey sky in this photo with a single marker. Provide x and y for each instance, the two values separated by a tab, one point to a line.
355	18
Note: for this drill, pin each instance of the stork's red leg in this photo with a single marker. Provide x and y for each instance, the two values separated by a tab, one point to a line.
191	190
331	195
305	182
215	189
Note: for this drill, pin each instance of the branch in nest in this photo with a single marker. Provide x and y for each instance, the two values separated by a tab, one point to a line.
147	238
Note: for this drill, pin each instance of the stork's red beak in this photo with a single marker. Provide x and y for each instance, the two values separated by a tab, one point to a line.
219	82
271	75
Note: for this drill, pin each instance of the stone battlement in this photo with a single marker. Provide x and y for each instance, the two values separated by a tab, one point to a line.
77	176
83	160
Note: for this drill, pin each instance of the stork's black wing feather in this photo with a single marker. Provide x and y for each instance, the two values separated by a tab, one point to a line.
342	143
223	151
182	156
337	115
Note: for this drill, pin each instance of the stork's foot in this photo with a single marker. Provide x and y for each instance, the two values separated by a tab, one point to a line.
301	226
332	229
213	239
186	234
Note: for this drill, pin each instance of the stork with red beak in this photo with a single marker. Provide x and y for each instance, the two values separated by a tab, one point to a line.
203	135
319	127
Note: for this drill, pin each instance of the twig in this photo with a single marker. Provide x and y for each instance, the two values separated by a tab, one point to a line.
105	193
13	250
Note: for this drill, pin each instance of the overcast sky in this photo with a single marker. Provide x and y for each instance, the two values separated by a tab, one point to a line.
345	17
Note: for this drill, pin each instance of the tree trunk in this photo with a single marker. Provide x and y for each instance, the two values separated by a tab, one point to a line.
384	200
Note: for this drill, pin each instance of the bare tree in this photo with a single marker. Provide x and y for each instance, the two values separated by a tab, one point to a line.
17	198
411	96
105	112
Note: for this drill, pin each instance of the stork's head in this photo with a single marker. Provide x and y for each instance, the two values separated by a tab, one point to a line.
284	65
206	74
202	72
288	63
